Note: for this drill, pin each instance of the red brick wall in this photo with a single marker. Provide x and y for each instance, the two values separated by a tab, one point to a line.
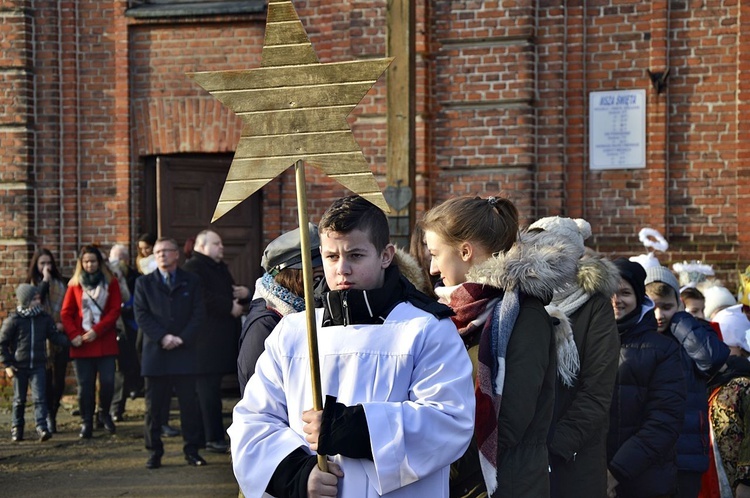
502	96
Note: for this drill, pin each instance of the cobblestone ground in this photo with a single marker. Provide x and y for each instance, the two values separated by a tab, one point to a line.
106	465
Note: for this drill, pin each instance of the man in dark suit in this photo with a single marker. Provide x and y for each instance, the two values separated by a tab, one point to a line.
169	310
218	341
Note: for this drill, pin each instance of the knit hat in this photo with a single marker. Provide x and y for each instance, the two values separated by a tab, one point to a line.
573	232
25	293
717	297
284	251
663	275
635	275
734	326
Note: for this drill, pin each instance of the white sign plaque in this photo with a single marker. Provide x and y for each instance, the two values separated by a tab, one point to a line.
617	129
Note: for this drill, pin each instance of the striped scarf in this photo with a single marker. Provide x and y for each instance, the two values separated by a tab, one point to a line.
493	345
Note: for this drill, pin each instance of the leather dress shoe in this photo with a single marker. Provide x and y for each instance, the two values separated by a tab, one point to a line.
195	460
219	446
169	431
153	462
86	431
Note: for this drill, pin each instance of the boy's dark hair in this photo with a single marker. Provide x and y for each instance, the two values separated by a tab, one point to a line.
692	293
660	289
357	213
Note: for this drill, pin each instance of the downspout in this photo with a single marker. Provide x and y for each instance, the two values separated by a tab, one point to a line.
537	102
79	201
584	51
35	147
566	159
61	142
666	124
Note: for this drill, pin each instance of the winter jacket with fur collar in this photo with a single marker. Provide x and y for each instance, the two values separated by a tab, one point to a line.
537	265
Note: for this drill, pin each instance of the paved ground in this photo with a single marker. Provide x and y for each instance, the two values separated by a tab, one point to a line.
106	465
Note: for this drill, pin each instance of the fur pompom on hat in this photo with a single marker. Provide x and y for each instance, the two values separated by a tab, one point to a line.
717	298
573	232
25	293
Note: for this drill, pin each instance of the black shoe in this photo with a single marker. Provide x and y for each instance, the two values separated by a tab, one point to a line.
44	434
169	431
133	395
52	425
16	434
86	431
109	425
99	420
195	460
153	462
117	417
219	446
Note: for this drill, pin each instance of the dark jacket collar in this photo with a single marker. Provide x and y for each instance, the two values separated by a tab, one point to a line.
205	260
358	307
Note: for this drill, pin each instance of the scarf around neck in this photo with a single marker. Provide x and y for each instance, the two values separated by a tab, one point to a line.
29	312
277	296
472	304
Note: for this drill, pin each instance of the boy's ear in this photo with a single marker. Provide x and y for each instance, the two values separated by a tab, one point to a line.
387	256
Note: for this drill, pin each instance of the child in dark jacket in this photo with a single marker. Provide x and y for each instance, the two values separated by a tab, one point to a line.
648	404
703	355
23	340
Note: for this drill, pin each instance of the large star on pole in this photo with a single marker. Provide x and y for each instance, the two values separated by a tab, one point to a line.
294	108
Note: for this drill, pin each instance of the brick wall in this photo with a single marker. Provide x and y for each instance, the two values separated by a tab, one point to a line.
502	94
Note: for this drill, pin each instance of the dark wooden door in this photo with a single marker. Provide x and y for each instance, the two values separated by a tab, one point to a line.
187	189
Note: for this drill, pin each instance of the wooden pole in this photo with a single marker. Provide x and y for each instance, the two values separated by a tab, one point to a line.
401	119
307	274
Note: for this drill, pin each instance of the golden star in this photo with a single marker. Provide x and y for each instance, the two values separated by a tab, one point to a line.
294	108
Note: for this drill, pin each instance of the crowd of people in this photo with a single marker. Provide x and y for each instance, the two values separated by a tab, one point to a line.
128	332
491	360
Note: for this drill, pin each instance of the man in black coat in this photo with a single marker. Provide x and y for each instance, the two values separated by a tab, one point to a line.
218	341
169	310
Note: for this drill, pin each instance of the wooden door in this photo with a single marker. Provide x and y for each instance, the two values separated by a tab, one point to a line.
187	189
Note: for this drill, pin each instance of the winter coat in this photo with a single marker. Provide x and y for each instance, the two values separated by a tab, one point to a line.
702	354
23	340
71	315
161	310
578	437
536	265
258	325
218	340
646	412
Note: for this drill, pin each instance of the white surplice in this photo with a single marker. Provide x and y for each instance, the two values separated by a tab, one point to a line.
411	374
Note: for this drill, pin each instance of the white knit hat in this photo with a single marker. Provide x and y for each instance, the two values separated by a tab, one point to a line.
717	297
734	326
572	231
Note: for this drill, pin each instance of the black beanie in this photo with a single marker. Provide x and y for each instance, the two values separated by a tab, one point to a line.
635	275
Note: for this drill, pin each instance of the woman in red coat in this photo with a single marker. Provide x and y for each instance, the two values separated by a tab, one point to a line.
89	313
